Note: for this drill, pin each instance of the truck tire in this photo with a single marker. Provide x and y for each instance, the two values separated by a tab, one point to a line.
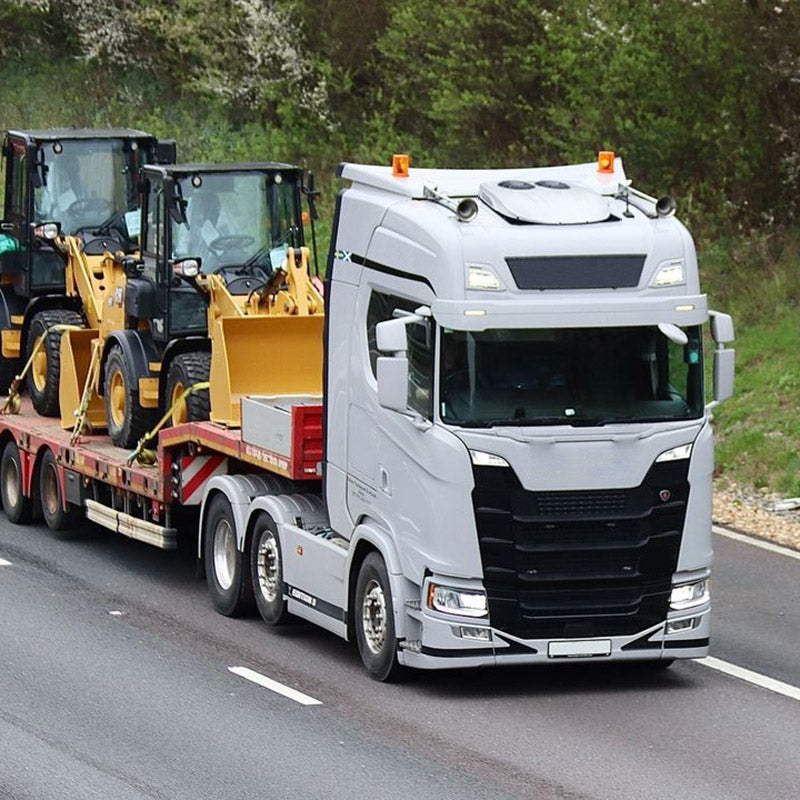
45	372
18	508
266	571
373	620
127	420
60	521
186	370
226	571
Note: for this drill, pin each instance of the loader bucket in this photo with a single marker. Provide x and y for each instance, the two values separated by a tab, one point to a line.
261	355
76	355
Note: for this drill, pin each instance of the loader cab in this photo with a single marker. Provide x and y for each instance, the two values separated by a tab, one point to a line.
235	220
84	180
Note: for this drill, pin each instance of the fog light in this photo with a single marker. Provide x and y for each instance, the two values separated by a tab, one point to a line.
690	595
682	625
479	634
463	602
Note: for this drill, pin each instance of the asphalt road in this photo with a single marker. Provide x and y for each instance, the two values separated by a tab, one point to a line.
140	703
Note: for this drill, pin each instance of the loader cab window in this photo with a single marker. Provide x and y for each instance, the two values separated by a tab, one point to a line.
90	184
237	220
420	348
18	182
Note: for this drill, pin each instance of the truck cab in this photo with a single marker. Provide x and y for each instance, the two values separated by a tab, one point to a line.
516	411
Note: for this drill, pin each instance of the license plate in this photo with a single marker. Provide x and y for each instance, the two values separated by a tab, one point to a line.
585	648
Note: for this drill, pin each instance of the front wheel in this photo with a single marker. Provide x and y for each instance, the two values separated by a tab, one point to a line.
266	572
185	371
374	620
226	571
127	420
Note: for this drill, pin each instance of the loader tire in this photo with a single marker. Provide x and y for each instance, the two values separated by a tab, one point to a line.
45	372
186	370
127	420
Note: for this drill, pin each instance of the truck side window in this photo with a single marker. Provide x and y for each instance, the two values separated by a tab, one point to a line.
381	307
420	368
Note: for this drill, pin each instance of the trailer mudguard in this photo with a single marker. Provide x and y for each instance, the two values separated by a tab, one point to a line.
240	491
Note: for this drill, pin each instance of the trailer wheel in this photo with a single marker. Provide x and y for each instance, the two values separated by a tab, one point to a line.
226	570
127	420
374	620
186	370
59	520
18	508
266	572
44	374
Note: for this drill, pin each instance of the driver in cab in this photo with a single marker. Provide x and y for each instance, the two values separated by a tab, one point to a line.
56	200
206	224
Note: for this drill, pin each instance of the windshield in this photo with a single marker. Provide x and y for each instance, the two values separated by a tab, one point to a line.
236	219
577	376
89	183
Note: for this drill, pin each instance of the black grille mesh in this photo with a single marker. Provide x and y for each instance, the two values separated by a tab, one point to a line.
579	564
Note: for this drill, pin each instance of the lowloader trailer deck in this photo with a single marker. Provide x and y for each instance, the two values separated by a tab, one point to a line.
41	471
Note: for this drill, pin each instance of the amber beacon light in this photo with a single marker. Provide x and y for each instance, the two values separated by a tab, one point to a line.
400	164
605	161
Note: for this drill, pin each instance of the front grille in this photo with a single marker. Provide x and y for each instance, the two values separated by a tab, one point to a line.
579	564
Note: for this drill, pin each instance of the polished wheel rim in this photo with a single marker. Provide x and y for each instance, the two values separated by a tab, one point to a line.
118	398
268	565
373	616
39	369
50	490
224	554
180	412
12	482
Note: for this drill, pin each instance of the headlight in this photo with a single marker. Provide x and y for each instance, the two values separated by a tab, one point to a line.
690	595
669	274
676	454
482	277
463	602
481	459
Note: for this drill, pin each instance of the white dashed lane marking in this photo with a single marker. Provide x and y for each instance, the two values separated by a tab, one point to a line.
274	686
4	563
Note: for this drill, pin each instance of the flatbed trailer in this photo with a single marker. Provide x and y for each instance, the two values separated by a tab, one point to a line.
136	500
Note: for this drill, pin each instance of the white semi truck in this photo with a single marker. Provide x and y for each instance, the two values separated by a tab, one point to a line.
518	451
498	452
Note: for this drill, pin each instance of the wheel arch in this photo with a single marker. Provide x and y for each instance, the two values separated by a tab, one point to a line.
138	351
370	537
46	302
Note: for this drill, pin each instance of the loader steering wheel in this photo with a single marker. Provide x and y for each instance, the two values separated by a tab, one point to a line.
91	205
238	241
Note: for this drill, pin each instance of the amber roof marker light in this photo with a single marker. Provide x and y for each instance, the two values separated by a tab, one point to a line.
605	161
400	165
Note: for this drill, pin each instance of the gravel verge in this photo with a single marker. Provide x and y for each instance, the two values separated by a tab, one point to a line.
756	512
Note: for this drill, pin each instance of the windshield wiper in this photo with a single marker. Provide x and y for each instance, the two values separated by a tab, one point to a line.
527	422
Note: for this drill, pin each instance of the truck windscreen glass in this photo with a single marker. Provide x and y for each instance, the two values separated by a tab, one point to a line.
235	220
88	184
572	376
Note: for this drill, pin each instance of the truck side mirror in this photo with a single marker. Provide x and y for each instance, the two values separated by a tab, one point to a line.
724	365
721	327
724	358
393	383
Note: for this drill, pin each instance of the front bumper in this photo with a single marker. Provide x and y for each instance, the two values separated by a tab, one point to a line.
441	647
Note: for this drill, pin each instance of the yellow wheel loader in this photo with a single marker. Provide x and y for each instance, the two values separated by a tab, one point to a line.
63	185
221	245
